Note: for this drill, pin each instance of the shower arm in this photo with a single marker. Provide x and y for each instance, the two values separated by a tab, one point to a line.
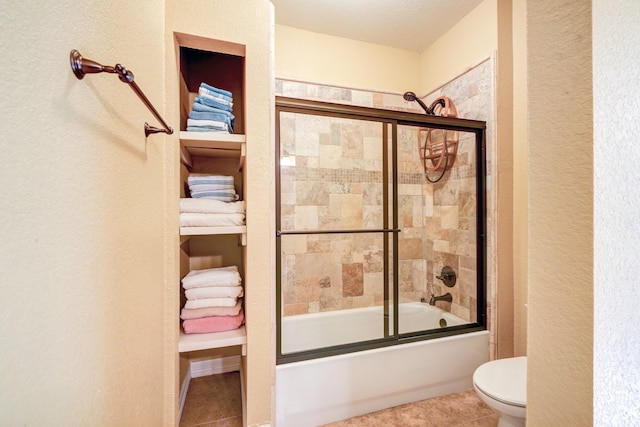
410	96
82	66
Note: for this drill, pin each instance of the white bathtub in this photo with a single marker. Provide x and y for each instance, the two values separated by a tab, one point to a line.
315	392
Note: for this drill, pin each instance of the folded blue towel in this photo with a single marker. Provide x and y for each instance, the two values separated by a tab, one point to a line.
211	102
195	179
215	97
198	106
216	90
224	196
222	98
208	125
219	117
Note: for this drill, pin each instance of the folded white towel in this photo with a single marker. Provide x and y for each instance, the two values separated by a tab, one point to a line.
211	206
190	219
213	124
214	292
219	276
210	302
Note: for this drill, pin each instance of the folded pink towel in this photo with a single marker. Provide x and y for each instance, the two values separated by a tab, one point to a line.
205	325
196	313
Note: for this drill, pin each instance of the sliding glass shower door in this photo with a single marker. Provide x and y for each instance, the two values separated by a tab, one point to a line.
334	225
357	244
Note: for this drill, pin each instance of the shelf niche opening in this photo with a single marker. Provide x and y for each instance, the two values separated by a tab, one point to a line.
222	70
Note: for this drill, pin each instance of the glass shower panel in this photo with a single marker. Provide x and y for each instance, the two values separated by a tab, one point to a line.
332	238
331	173
437	218
332	290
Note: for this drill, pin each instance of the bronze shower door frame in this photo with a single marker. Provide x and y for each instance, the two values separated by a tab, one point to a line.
388	118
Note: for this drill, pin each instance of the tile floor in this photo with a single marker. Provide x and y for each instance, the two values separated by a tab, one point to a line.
464	409
214	401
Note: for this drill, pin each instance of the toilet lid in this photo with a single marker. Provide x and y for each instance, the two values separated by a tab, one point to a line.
504	380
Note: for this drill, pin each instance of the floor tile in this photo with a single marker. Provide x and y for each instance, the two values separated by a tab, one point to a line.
214	398
462	409
215	401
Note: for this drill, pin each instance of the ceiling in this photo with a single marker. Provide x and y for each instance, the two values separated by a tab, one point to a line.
406	24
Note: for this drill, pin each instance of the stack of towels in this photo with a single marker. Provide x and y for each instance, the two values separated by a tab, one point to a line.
211	111
213	300
215	187
213	203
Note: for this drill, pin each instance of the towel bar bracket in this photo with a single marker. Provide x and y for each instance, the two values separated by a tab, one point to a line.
82	66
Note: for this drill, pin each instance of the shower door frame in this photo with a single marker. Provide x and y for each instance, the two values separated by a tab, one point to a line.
394	119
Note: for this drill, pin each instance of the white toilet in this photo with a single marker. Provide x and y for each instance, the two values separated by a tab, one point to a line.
502	385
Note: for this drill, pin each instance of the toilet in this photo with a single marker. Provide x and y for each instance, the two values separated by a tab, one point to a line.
502	385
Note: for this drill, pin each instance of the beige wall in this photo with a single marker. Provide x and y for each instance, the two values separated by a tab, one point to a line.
344	62
349	63
246	23
520	179
466	44
82	217
560	313
504	285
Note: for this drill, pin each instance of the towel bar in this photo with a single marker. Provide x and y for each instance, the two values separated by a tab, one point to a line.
81	66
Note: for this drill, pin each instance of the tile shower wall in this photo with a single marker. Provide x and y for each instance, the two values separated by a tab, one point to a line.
331	180
336	183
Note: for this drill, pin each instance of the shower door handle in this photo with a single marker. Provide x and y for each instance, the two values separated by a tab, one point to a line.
358	231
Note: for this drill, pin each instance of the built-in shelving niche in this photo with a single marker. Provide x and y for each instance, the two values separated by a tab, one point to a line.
220	64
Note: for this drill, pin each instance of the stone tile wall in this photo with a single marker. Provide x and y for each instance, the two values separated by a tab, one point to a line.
336	183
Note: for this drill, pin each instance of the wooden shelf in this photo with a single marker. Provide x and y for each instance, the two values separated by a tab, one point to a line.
212	144
241	230
195	342
206	231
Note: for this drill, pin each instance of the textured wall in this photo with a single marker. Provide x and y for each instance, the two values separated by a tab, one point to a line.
82	217
560	213
616	97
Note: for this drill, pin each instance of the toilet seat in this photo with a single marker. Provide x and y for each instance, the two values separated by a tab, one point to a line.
504	380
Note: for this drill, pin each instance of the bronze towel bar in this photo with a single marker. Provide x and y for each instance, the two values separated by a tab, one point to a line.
82	66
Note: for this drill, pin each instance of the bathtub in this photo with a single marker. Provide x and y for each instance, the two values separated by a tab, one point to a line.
315	392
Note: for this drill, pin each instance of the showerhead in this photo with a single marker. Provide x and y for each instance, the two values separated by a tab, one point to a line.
409	96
